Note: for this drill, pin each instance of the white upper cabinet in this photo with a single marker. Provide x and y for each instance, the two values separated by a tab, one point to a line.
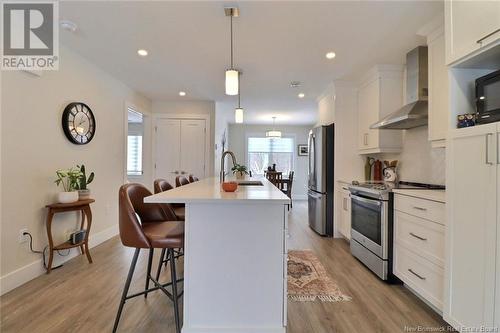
438	88
470	26
380	93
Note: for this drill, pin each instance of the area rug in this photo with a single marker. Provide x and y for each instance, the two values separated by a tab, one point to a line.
308	281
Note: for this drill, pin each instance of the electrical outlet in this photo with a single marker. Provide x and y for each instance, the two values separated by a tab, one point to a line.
22	237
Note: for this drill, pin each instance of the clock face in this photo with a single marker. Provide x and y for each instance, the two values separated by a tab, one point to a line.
78	123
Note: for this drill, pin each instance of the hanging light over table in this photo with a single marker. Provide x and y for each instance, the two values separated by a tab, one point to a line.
273	133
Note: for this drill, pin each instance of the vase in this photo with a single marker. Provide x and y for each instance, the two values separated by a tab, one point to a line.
240	175
83	194
67	197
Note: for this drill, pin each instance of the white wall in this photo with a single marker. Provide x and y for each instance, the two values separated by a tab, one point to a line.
33	147
222	119
191	107
237	143
418	161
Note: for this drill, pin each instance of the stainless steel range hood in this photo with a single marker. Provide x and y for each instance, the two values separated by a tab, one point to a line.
415	113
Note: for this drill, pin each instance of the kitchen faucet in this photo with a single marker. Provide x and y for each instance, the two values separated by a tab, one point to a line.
222	166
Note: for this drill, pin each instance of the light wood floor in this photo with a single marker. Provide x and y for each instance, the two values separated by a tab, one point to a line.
83	298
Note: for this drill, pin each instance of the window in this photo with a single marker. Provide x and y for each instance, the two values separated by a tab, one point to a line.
134	143
264	152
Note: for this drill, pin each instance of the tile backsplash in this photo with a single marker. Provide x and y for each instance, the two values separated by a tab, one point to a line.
419	162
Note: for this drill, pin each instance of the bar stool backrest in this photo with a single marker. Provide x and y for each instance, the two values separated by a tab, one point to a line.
133	212
180	181
193	179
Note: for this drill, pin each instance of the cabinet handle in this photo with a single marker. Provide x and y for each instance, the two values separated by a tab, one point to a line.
479	41
420	208
365	139
487	158
183	172
344	203
498	146
418	237
175	172
417	275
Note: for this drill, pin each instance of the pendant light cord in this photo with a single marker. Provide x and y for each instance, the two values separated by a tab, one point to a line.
231	41
239	92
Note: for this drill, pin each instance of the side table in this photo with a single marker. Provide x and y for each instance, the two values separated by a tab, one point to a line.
84	207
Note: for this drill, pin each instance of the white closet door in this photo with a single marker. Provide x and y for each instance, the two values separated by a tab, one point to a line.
192	157
168	149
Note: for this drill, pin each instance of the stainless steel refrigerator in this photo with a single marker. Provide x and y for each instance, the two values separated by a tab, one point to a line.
321	179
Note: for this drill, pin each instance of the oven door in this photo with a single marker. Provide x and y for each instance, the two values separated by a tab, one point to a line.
369	224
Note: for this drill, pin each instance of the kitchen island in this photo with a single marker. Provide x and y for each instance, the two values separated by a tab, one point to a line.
235	256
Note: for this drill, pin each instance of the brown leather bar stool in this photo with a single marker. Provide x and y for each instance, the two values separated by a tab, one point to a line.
161	185
193	179
145	226
179	210
181	181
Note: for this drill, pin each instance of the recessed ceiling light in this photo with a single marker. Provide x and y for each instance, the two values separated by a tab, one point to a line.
301	95
182	93
330	55
142	52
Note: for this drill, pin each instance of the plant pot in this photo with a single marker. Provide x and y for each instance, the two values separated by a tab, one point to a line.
240	175
83	194
67	197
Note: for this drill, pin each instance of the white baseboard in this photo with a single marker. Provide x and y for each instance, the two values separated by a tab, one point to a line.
234	330
27	273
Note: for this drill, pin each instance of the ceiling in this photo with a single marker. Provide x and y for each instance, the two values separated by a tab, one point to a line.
275	43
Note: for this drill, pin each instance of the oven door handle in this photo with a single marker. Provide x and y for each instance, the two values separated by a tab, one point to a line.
366	200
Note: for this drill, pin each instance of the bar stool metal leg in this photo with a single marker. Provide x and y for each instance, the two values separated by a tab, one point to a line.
148	273
173	277
158	271
125	289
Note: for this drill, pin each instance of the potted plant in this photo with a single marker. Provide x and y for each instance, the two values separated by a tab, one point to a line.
83	181
69	181
240	171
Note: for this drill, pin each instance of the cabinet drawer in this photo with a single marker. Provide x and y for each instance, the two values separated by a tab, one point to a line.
420	275
427	209
422	236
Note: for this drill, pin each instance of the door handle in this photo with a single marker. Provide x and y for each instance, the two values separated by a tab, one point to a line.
418	237
487	158
183	172
479	41
417	275
365	139
175	172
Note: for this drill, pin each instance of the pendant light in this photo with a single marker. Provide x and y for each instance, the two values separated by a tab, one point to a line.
232	75
273	133
238	112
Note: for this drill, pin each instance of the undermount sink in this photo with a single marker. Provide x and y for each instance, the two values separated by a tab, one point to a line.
249	183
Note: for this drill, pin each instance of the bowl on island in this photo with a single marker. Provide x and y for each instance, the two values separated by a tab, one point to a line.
229	186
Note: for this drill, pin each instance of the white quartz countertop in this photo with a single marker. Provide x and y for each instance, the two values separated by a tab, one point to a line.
434	195
209	190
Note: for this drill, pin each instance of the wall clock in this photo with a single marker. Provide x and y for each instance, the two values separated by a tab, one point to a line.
78	123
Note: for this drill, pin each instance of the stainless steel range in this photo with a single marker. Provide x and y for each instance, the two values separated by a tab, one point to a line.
372	223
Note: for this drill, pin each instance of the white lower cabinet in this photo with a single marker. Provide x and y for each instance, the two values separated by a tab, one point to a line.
344	212
473	165
419	226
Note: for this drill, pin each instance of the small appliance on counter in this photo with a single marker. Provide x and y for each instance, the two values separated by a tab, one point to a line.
372	223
